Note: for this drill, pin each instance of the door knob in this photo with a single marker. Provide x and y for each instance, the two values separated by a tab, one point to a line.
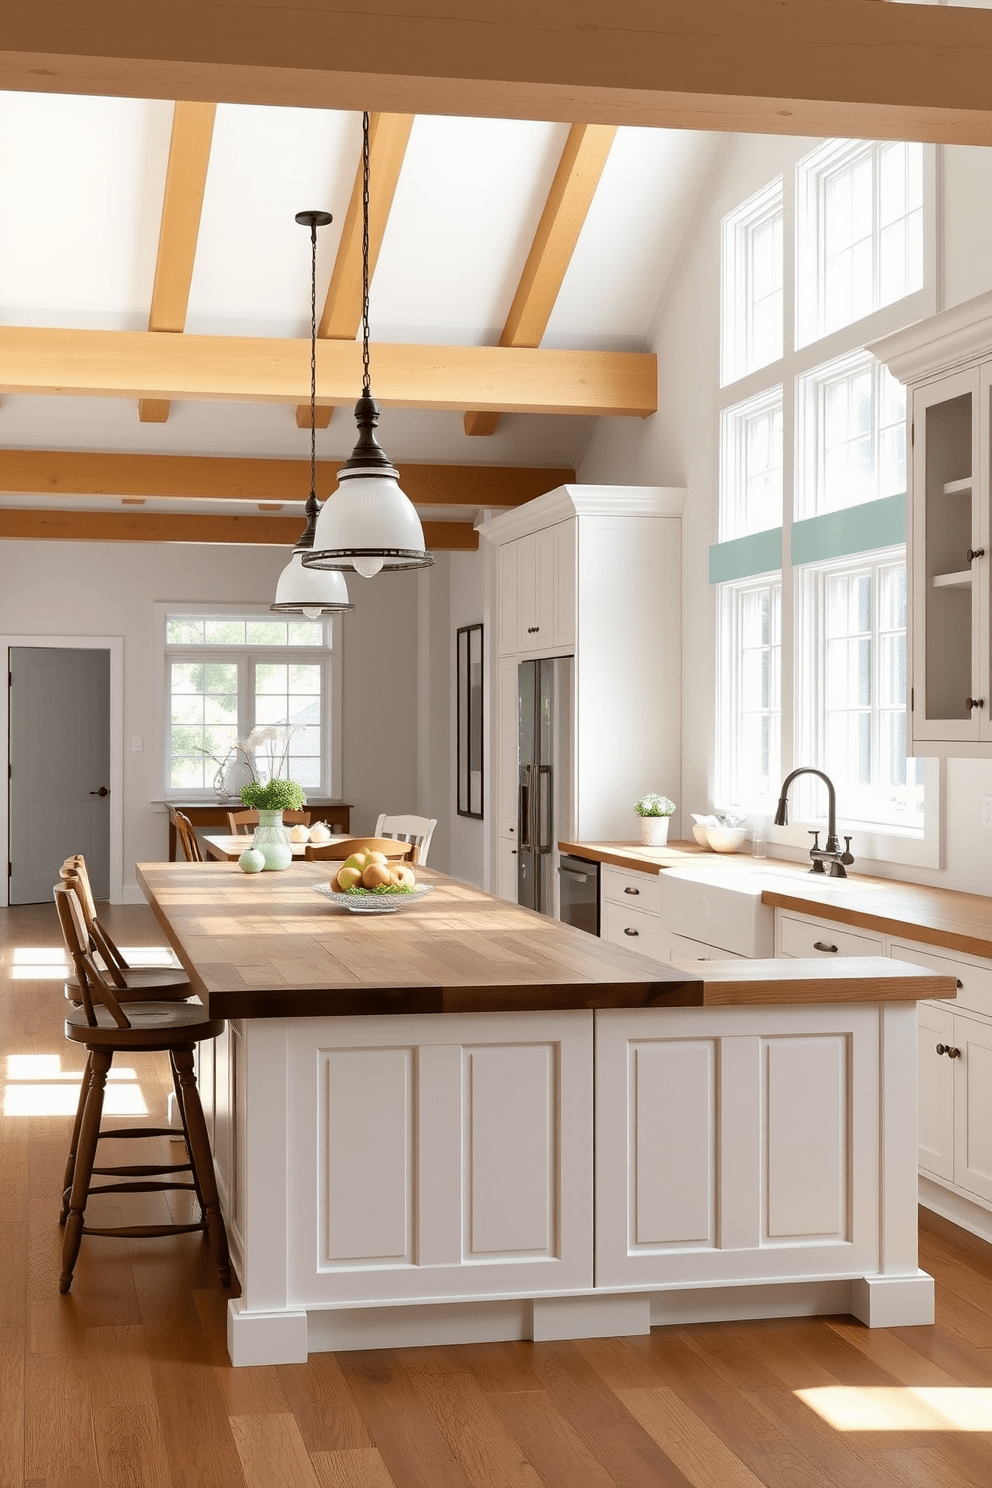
103	791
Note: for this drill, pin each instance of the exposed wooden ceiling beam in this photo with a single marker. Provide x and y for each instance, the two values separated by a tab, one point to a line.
342	314
811	67
143	364
133	526
572	190
185	182
192	477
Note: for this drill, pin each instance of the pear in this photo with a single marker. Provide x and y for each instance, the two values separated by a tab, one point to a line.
375	875
359	860
403	875
348	877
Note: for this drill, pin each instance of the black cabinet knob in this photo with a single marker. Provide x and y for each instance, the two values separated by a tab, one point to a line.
821	945
631	932
971	702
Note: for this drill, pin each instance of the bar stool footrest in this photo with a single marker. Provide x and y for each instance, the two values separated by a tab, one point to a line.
137	1131
143	1188
144	1170
146	1231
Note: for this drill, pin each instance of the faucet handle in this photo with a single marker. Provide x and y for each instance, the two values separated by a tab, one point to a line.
815	836
847	856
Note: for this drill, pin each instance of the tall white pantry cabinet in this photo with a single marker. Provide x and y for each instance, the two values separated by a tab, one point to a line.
592	572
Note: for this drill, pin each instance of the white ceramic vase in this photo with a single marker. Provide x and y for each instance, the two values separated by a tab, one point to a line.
654	830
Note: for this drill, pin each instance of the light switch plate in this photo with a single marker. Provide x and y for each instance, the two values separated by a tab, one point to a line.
987	813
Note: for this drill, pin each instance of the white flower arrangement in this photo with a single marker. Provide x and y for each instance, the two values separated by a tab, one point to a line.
272	744
654	805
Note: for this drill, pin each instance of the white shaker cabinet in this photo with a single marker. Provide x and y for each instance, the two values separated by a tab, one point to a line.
536	591
946	364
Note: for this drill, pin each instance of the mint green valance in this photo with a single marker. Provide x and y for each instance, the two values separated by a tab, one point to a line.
742	557
857	529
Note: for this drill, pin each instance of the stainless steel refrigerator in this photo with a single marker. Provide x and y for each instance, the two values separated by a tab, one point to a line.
545	777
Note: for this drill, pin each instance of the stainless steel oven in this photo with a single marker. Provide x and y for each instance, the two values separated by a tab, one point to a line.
579	893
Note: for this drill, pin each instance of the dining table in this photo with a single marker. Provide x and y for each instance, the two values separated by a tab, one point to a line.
227	848
452	1119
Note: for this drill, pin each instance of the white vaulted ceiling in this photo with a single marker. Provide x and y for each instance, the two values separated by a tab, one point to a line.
81	200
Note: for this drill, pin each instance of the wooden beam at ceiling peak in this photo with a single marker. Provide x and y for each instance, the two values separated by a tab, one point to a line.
144	364
341	318
798	67
221	478
572	190
133	526
182	205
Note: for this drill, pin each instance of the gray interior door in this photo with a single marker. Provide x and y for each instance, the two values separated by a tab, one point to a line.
59	768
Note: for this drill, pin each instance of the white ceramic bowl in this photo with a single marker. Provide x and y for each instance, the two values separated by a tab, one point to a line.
725	839
700	835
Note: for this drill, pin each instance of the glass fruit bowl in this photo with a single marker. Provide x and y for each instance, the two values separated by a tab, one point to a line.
366	901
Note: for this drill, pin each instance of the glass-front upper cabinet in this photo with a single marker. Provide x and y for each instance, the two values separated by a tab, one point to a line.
946	365
950	697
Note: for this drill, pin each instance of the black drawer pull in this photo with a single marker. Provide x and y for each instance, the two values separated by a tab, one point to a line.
821	945
960	984
631	932
949	1050
629	890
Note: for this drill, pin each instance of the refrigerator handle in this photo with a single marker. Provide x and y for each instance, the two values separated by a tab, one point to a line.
523	807
544	799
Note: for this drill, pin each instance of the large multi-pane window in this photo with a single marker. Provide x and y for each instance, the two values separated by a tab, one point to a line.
852	435
860	220
852	626
751	466
820	453
749	679
753	284
229	675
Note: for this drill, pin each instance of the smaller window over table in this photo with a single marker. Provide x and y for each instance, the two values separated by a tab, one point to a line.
751	466
228	675
752	310
852	435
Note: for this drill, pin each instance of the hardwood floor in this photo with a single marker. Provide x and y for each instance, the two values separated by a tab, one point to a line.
124	1383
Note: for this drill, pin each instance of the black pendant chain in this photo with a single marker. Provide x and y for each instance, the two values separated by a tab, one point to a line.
366	384
313	358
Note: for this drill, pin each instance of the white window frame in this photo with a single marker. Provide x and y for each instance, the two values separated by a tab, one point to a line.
811	176
733	465
887	836
797	361
329	657
729	718
810	448
739	228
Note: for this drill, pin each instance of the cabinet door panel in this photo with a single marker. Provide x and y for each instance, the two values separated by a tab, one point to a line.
445	1156
528	618
674	1090
507	775
636	929
508	597
632	890
808	1160
935	1119
973	1107
798	936
565	571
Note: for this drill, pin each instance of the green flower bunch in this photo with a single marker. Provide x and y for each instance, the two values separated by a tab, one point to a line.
654	805
275	795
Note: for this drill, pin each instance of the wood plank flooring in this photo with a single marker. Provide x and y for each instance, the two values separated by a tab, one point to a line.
125	1383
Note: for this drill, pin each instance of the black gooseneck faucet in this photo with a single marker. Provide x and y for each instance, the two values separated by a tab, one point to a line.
830	852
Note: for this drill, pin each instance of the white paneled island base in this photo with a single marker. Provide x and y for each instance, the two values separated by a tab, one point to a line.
735	1144
444	1178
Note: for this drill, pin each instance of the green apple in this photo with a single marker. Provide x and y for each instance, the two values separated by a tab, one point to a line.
251	860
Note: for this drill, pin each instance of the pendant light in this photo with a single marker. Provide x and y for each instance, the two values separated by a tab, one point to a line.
303	591
368	523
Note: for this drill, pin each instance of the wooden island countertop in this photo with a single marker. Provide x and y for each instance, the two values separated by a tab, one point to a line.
269	946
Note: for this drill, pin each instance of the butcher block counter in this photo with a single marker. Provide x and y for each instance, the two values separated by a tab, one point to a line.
463	1122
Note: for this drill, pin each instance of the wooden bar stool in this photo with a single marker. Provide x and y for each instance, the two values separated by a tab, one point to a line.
164	983
104	1029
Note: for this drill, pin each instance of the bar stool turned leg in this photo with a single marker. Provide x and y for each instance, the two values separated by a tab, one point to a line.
181	1109
99	1065
202	1160
70	1164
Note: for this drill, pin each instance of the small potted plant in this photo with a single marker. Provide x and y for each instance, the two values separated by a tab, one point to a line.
270	801
655	812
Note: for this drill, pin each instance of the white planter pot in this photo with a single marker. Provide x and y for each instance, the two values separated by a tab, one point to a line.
654	830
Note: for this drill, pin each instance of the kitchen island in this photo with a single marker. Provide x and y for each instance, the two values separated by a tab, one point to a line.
466	1122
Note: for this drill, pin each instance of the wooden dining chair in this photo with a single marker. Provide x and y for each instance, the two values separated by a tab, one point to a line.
164	982
187	838
239	822
317	852
417	830
106	1026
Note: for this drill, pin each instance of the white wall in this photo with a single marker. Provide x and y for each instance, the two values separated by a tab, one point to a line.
678	446
110	589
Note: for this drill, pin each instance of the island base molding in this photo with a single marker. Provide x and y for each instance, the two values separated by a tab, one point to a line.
288	1337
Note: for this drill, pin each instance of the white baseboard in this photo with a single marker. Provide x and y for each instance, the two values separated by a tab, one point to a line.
613	1315
953	1206
435	1324
265	1337
730	1304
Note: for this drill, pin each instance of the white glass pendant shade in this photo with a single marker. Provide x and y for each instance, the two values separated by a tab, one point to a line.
368	523
310	591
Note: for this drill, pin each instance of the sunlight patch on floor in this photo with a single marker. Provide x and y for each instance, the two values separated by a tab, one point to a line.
901	1408
37	1085
38	963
